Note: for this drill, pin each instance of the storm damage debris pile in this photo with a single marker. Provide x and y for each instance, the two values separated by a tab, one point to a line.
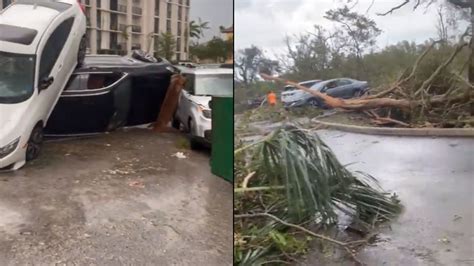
443	98
289	178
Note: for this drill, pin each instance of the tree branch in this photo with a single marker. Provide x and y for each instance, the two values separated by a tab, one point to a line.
394	8
345	245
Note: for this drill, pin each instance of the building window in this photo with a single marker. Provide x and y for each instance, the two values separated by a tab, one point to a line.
187	2
99	40
168	11
168	26
185	44
98	4
179	28
180	17
157	25
178	45
157	8
99	19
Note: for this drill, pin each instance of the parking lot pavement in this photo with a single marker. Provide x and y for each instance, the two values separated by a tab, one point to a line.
433	178
114	199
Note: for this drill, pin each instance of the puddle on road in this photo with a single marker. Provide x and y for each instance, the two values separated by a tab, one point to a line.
10	220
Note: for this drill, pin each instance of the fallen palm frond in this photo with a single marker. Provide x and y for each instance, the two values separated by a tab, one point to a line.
314	181
298	180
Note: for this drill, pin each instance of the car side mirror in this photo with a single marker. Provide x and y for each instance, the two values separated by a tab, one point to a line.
45	83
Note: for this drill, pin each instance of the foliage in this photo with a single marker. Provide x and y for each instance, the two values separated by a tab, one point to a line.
196	29
165	45
216	49
250	61
316	187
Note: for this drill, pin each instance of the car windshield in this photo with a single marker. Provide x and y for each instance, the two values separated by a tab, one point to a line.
214	85
16	77
289	88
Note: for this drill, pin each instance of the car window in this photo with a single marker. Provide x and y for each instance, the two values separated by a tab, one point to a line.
102	80
343	82
331	85
74	83
53	48
189	85
308	84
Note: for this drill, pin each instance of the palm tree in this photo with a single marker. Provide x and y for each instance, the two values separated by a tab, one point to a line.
165	45
196	30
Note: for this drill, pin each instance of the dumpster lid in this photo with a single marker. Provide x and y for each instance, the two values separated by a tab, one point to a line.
216	82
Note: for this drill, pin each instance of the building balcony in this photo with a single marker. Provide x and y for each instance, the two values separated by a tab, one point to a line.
122	8
137	11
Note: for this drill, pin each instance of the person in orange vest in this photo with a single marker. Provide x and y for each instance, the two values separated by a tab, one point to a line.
272	98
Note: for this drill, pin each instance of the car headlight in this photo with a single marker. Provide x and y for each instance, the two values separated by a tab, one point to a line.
9	148
206	112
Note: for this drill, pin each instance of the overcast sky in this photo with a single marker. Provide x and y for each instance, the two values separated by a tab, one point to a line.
266	23
217	12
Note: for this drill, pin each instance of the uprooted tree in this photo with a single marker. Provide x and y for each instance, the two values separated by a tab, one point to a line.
412	101
432	94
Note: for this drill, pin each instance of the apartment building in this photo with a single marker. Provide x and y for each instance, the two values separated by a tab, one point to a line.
118	26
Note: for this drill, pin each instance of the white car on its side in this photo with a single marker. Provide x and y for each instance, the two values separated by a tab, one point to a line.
41	43
194	114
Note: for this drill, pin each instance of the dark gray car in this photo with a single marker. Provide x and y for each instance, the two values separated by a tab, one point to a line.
344	88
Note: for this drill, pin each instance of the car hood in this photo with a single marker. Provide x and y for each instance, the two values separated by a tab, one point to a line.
201	100
11	121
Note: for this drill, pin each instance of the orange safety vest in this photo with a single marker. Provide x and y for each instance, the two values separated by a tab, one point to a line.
272	99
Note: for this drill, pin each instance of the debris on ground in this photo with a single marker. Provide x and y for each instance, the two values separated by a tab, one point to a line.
297	183
136	183
180	155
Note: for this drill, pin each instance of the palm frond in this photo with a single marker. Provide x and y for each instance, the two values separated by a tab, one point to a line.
316	182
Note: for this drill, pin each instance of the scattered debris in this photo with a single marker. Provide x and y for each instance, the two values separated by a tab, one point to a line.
136	183
444	240
457	217
180	155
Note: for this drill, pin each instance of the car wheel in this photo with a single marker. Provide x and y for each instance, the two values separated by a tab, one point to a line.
81	54
194	143
175	123
35	143
313	102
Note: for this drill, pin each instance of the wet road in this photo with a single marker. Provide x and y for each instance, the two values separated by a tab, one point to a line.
117	199
434	178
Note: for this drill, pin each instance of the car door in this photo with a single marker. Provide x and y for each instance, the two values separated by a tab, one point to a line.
344	88
51	66
91	103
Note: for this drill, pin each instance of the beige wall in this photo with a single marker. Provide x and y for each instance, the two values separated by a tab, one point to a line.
143	24
143	29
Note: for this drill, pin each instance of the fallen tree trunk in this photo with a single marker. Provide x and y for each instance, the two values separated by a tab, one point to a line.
416	103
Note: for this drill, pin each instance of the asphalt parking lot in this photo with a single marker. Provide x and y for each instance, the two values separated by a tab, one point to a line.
113	199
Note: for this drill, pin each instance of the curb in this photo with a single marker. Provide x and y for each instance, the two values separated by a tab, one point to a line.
434	132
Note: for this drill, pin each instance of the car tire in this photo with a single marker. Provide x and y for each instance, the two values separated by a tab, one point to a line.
194	143
35	143
175	123
81	54
313	102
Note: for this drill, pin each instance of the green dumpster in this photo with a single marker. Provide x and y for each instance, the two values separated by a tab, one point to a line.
222	158
219	84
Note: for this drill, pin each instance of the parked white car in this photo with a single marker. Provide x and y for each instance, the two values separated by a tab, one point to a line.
41	43
194	114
